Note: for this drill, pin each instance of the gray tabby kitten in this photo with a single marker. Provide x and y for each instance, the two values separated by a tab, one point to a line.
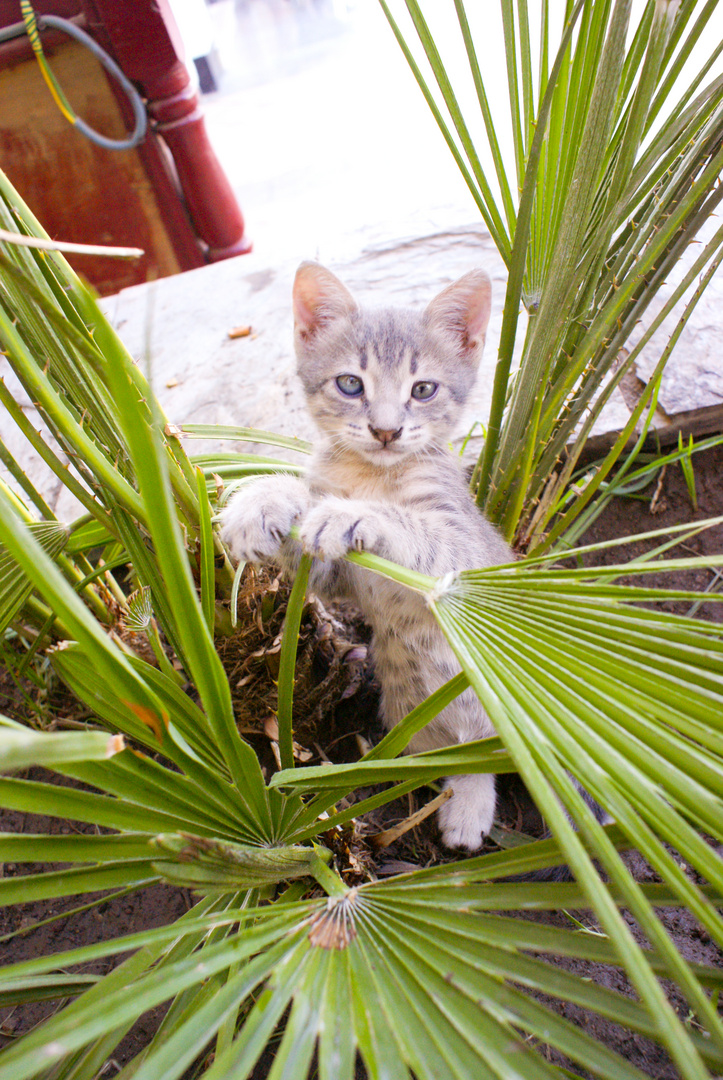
386	389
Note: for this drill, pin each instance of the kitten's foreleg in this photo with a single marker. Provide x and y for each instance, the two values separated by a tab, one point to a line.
259	517
335	526
256	524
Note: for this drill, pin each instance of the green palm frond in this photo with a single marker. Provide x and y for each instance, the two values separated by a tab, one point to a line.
15	589
616	177
588	677
351	967
139	613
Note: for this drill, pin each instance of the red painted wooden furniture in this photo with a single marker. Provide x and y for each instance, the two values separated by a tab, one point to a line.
170	196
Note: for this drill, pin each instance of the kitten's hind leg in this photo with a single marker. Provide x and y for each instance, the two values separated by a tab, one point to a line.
467	817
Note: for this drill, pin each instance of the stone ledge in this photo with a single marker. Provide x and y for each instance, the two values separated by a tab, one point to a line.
203	376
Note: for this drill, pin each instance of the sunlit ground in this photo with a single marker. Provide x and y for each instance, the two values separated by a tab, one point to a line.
326	137
323	132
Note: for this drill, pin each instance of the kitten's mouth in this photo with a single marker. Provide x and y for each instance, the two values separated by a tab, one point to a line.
391	452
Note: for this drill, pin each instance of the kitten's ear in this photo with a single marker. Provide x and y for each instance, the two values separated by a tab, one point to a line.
463	310
318	298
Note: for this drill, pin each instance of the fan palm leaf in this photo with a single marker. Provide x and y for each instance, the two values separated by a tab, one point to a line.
289	953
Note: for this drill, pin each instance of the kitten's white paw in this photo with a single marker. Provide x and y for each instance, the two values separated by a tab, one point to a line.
467	817
260	515
335	526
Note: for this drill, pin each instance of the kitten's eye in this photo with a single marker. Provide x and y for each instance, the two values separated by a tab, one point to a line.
423	391
350	385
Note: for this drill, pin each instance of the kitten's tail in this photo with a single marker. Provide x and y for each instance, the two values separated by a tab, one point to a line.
564	873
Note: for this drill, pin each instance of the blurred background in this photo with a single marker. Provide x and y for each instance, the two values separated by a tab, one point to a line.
282	124
322	129
293	126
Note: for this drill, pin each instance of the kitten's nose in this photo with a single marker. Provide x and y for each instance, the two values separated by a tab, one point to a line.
385	437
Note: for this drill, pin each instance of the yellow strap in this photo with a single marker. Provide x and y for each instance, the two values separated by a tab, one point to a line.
31	27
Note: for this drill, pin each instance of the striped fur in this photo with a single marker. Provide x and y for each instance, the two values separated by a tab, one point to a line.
383	480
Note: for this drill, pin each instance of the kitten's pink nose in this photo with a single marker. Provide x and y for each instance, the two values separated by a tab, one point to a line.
385	437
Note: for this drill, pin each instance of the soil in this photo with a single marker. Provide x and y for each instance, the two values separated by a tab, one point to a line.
332	727
665	504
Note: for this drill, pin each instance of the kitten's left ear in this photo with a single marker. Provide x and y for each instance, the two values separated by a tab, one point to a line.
318	298
463	310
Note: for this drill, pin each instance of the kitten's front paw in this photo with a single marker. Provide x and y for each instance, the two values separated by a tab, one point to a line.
467	817
335	526
260	515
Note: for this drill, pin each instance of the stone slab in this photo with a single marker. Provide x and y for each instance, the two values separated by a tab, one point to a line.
251	381
178	330
201	376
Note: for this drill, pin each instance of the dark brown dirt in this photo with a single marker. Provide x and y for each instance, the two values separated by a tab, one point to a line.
34	929
664	504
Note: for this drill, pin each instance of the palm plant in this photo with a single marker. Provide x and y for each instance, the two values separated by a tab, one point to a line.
582	675
613	177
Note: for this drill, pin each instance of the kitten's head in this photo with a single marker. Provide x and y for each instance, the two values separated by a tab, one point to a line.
387	383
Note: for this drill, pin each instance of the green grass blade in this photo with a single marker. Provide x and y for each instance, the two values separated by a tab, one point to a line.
205	554
21	748
287	663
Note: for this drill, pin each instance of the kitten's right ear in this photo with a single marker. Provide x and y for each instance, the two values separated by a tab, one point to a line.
318	298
